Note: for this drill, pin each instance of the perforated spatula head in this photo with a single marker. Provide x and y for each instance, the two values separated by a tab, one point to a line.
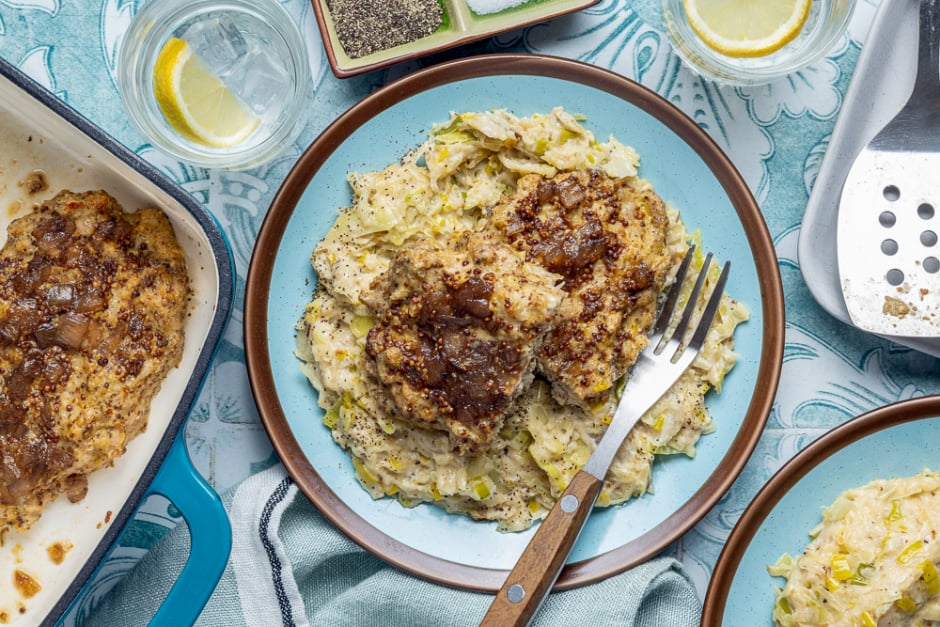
889	212
888	257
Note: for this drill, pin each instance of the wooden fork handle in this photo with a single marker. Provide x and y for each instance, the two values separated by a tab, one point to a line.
533	576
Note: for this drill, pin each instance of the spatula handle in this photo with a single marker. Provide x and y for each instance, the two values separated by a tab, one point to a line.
538	567
928	55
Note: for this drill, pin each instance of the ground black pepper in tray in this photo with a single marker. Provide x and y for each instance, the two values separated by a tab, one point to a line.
367	26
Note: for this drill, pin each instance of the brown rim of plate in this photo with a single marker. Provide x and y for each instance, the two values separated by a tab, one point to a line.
259	281
788	476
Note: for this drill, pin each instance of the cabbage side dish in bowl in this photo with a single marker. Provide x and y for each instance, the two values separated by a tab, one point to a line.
484	277
845	533
872	559
477	306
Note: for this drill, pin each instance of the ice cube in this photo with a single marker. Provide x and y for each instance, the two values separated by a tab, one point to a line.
216	40
240	58
260	81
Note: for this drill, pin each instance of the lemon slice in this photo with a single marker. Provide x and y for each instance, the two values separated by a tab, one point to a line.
196	103
747	28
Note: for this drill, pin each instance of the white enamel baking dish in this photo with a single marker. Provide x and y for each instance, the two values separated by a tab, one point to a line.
39	132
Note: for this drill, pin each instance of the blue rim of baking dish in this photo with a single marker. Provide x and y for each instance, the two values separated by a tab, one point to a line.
177	479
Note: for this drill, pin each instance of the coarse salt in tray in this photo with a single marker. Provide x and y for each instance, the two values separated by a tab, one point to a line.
364	35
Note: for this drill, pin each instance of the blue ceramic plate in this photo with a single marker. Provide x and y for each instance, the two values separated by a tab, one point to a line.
895	441
685	167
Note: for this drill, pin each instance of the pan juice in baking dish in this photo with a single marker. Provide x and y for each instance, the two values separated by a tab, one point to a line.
456	297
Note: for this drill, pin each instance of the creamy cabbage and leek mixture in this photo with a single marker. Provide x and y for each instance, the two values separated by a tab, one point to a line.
477	307
872	561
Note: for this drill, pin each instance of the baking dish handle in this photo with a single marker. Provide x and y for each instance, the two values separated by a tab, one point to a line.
209	530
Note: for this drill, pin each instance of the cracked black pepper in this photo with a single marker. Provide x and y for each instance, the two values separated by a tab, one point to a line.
367	26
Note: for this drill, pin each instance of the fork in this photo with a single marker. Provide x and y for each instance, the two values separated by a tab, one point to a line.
657	368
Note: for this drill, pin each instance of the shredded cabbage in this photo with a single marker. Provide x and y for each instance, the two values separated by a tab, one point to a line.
871	561
441	188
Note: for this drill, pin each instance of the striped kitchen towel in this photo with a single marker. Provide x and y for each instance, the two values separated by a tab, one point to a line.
290	567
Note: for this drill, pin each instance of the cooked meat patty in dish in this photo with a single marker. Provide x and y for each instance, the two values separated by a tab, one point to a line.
456	332
92	306
608	240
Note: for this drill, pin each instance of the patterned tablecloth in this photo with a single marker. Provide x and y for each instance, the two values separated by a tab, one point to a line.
776	134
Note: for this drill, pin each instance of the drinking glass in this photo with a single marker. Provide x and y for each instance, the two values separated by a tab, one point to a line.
827	22
253	46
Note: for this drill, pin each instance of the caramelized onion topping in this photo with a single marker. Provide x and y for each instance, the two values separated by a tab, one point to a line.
450	359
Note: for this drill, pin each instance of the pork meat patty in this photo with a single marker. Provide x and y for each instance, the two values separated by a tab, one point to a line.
607	240
92	306
456	332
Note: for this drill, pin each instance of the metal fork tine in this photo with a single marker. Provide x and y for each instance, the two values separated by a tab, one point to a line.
711	308
683	325
673	296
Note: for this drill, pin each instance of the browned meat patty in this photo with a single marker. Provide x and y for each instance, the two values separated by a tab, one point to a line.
608	241
92	306
455	334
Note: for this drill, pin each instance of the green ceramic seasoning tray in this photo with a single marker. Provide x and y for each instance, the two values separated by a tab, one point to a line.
460	25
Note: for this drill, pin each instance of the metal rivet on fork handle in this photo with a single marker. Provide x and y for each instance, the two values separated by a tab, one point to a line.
515	593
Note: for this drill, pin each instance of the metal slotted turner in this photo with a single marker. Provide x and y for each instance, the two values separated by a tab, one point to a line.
889	212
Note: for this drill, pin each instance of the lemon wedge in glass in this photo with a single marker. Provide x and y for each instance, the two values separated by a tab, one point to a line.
747	28
196	103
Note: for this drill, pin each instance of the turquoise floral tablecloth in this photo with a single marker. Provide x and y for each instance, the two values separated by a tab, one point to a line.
776	134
